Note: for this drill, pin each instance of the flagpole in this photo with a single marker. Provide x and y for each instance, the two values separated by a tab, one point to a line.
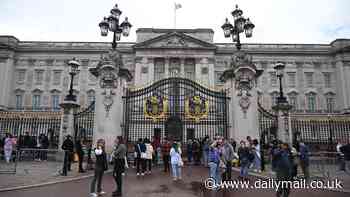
174	15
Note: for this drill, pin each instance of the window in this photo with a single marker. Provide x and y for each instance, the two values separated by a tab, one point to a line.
144	70
327	80
57	77
311	102
330	102
293	101
291	79
159	68
309	79
205	70
19	102
217	78
274	98
90	97
55	99
36	102
92	78
273	79
39	76
20	76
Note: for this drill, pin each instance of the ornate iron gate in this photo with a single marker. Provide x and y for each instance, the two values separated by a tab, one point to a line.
84	123
177	108
267	125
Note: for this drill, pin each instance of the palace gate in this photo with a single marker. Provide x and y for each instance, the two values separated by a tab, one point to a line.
175	107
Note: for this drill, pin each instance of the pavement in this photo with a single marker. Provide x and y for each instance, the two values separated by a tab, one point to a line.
42	179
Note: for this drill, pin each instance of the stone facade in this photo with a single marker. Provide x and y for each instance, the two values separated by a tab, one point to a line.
35	74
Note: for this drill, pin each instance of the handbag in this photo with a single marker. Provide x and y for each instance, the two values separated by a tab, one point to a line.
143	155
181	163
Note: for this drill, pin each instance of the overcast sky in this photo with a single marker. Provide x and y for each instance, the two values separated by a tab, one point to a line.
276	21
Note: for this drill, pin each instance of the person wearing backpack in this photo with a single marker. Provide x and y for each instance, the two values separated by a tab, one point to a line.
119	154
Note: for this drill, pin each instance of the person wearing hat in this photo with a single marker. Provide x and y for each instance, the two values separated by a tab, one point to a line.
68	147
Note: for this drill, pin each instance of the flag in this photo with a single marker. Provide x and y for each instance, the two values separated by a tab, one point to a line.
178	6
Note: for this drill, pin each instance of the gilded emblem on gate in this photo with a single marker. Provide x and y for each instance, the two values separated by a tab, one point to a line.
196	108
155	107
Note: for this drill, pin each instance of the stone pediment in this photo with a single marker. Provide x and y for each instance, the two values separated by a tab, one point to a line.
174	40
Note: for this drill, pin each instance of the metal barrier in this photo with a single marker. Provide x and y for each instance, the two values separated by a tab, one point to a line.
28	156
325	165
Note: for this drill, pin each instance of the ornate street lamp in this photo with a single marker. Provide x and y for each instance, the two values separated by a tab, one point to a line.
74	65
282	103
111	23
240	25
70	101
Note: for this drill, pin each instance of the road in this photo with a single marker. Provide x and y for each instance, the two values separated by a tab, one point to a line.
158	184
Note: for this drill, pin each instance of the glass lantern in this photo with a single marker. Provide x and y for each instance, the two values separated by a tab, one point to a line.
248	28
104	26
227	27
126	27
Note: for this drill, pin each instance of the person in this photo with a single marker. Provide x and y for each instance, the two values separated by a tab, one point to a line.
89	152
233	144
8	147
119	154
68	148
149	154
166	146
340	156
249	141
101	165
214	162
345	149
189	151
80	153
44	141
196	152
175	159
283	169
140	150
243	153
156	145
227	157
304	159
205	150
257	156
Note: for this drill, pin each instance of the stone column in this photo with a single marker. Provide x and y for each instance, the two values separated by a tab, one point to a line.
6	69
109	103
241	79
211	72
150	63
166	66
182	67
67	126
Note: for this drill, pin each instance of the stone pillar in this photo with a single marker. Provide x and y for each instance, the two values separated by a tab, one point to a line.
6	69
109	103
166	67
67	126
150	63
211	72
241	79
182	67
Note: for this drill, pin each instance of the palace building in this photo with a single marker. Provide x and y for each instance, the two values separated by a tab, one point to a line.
34	74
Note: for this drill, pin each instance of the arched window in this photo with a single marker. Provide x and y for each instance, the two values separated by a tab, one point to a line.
330	102
36	99
90	97
311	102
19	99
293	100
55	100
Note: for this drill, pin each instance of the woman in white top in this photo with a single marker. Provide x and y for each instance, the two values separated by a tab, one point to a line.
149	153
8	147
176	161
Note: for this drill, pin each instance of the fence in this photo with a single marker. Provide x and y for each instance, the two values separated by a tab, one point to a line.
321	131
33	123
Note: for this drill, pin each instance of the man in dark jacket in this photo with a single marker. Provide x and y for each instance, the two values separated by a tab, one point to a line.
68	148
345	149
283	168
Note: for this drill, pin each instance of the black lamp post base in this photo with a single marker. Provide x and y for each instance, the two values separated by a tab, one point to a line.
71	97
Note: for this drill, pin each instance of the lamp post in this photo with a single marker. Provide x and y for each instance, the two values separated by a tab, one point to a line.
111	23
282	107
240	25
74	65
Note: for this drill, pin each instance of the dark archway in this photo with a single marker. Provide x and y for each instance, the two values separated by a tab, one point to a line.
173	128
